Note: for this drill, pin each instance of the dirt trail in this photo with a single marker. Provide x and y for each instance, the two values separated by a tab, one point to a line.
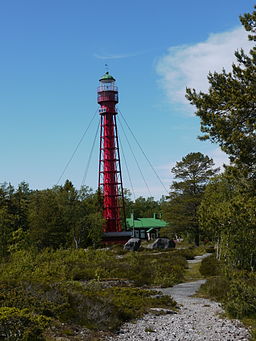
198	319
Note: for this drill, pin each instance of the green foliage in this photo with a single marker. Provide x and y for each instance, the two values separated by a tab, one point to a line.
227	111
56	218
133	302
187	253
20	324
164	269
144	269
209	266
249	22
76	287
63	217
236	290
18	241
227	215
241	296
145	208
46	220
215	288
194	171
74	303
209	249
6	228
13	213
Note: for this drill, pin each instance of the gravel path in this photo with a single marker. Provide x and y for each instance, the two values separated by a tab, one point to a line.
198	319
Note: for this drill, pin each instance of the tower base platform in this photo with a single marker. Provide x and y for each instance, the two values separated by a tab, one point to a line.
116	237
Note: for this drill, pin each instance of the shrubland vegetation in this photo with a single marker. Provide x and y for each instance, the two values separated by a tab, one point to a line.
93	289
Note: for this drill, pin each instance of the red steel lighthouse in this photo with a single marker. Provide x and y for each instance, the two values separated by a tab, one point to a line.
110	176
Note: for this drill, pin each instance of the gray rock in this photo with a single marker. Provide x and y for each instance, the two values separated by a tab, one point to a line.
133	244
162	311
162	243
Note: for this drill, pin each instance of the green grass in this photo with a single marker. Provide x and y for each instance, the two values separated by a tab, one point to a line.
193	273
251	324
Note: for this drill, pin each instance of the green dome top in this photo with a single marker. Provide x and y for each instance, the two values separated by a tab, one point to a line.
107	78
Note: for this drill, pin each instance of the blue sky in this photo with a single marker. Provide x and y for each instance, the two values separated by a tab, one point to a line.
54	52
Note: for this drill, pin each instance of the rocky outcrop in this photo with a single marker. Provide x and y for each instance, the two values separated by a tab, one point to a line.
162	243
133	244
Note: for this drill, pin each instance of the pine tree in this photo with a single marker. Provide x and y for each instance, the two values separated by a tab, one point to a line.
194	172
228	110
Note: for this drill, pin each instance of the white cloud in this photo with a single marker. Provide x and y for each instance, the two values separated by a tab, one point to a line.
219	157
188	65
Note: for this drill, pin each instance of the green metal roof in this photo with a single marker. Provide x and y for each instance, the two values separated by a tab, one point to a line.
107	77
151	229
142	223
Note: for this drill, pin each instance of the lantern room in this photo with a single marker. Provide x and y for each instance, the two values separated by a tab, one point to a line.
107	94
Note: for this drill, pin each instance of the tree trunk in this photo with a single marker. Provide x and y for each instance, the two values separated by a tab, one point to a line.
197	236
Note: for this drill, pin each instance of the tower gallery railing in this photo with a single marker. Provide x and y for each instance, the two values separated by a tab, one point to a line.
107	87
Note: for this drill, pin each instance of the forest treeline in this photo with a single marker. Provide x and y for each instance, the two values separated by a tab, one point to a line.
60	217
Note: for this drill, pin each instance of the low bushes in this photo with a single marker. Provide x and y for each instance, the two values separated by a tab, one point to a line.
161	269
236	290
21	324
74	303
241	296
209	266
70	287
215	288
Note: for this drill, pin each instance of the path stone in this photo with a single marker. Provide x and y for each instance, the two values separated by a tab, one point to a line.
198	319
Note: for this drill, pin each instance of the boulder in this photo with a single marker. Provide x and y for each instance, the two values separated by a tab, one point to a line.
133	244
162	243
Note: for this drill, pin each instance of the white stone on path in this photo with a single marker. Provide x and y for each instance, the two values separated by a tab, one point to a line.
198	319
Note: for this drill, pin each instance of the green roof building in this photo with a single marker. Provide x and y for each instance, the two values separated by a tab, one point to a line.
145	228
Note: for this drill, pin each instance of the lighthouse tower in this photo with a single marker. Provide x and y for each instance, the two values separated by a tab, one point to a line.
110	176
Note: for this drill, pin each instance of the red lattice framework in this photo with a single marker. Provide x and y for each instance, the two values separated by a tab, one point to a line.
110	175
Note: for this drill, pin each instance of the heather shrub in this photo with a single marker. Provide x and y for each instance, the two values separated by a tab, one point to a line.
188	253
236	291
80	265
21	324
209	266
241	296
71	286
91	305
215	288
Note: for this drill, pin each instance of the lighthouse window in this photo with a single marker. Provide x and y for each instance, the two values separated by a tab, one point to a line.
102	110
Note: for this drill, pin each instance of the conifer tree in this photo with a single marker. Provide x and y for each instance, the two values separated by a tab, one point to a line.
193	172
228	110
